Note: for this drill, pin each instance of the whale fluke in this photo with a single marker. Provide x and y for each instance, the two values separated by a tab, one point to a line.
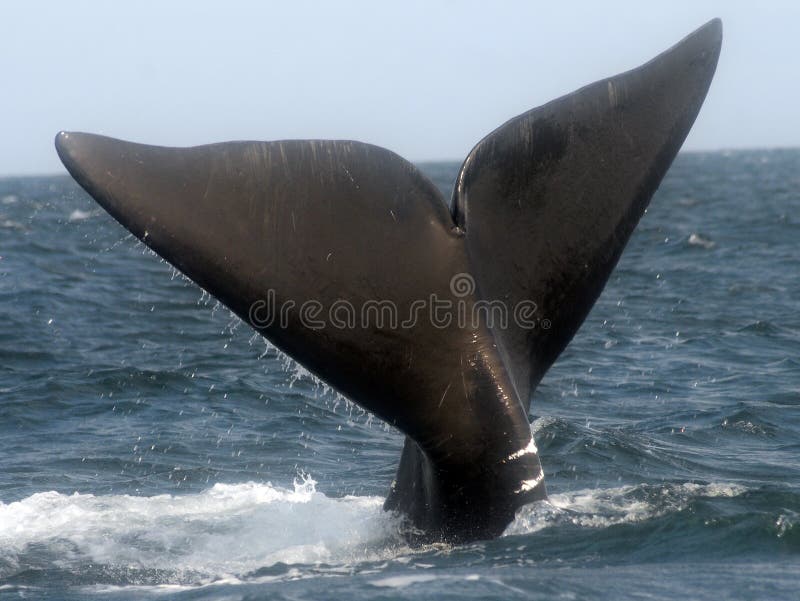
439	318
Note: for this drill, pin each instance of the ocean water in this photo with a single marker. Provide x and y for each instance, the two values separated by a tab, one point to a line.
152	447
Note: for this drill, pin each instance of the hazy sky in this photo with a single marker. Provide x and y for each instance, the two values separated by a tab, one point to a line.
426	79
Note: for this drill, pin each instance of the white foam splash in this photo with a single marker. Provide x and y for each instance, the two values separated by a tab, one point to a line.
698	240
11	224
403	581
225	534
228	529
600	508
78	215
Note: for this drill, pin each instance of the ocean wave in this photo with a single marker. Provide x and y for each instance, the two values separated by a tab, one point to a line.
600	508
240	532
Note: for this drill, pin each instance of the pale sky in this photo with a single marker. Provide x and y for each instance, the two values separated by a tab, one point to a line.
426	79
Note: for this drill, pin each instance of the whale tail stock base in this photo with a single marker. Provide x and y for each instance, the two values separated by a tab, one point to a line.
541	211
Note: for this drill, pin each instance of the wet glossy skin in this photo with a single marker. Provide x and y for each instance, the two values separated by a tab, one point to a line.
541	212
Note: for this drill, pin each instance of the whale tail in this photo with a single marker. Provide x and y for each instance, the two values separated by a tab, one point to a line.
349	260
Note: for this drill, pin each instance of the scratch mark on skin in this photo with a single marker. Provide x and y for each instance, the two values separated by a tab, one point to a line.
313	145
463	380
612	94
467	397
284	159
294	224
439	406
208	184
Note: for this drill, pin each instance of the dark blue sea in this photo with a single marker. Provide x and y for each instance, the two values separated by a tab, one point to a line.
151	446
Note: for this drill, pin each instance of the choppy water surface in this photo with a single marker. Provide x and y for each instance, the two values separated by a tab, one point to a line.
151	446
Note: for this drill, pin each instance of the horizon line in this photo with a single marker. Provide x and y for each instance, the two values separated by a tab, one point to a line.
721	150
